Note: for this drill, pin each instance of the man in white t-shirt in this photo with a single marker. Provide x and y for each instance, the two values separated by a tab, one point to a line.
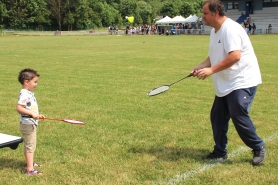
235	73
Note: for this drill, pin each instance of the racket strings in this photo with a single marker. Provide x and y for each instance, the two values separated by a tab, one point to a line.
164	88
74	121
159	90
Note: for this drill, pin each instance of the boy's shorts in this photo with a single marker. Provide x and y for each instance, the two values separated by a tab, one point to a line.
29	133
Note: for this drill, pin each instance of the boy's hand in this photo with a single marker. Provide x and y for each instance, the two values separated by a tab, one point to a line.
41	117
37	116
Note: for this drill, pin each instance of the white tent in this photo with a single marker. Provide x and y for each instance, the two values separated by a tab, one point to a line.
165	20
191	18
178	19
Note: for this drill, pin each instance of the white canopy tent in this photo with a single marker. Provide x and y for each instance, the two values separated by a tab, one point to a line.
165	25
191	18
165	20
178	19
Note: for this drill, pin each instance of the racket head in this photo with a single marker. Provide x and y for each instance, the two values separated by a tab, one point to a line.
72	121
159	90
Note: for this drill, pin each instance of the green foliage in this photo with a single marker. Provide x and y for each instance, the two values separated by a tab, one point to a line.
149	21
43	13
169	8
108	14
23	13
197	6
3	12
187	9
69	19
86	14
127	7
119	21
83	15
144	10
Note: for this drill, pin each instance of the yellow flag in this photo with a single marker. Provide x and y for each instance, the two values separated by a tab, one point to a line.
130	19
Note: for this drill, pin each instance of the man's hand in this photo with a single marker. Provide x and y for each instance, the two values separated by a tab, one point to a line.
202	74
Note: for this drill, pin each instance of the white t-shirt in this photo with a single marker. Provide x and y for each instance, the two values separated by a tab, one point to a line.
28	100
243	74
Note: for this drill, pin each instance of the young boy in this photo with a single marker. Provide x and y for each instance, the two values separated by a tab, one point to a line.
27	107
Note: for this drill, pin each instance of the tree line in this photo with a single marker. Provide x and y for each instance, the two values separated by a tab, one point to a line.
90	14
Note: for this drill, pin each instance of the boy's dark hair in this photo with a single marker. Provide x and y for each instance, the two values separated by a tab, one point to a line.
215	5
27	74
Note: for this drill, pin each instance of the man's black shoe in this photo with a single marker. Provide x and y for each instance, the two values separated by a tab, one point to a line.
213	155
259	156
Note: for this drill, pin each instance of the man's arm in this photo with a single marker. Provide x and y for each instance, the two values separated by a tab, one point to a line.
204	64
232	58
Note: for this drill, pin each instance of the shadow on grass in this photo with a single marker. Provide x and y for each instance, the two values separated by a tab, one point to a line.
175	154
12	163
171	153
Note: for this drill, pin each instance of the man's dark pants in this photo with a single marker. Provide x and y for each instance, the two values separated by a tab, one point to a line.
235	106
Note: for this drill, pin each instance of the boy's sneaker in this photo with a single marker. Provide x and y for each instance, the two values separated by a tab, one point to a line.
259	156
213	155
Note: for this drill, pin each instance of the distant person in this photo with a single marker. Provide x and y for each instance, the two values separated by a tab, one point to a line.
147	29
246	26
249	28
254	28
235	73
27	107
154	29
269	28
126	30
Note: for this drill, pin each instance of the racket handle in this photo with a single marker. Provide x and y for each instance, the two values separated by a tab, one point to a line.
191	74
50	119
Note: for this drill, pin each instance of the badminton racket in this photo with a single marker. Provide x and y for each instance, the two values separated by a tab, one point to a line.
164	88
70	121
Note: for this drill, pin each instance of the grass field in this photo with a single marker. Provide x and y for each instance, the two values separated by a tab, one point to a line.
130	138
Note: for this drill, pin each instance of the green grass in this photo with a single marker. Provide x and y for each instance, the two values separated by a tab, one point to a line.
129	138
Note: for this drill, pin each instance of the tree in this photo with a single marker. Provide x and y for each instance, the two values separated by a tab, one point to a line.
26	12
187	9
119	21
156	6
127	8
69	15
83	15
198	7
42	15
3	14
56	8
108	14
144	10
169	9
69	20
